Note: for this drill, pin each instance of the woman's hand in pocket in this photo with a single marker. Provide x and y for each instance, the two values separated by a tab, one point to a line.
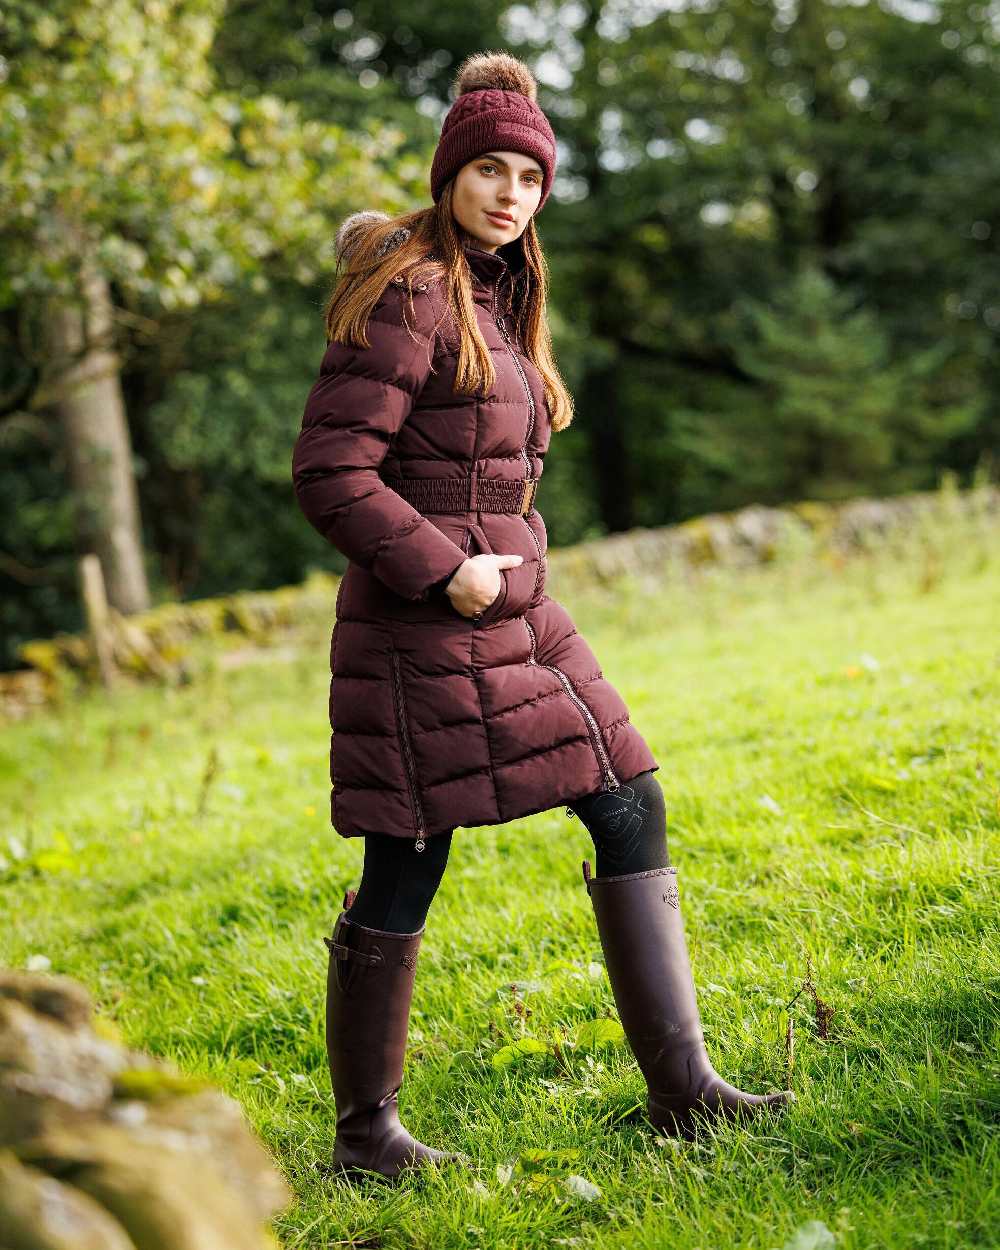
477	582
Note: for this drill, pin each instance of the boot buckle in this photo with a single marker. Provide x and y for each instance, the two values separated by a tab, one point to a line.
340	951
586	874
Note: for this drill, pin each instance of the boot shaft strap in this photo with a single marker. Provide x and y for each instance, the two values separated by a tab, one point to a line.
339	951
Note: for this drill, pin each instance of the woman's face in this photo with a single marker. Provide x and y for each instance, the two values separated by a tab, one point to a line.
505	183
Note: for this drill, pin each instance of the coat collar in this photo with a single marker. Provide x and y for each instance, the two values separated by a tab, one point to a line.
490	267
501	269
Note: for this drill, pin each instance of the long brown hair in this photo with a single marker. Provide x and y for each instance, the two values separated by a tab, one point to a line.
431	248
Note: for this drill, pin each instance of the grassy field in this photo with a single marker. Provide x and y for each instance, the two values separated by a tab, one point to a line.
828	746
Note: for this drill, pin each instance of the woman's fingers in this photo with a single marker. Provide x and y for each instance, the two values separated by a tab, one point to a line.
473	589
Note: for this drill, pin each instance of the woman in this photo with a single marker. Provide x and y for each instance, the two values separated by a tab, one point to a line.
462	694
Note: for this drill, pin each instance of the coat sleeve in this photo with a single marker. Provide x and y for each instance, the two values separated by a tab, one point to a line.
355	407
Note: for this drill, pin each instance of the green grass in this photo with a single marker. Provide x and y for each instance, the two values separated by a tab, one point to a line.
828	749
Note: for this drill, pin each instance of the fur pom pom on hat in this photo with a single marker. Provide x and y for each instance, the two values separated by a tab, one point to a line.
495	108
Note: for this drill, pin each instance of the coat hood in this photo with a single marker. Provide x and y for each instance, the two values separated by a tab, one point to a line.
484	264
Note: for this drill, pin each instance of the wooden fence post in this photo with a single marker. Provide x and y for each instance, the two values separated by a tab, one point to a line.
95	604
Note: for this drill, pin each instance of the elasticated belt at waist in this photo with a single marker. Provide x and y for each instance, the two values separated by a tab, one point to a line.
466	494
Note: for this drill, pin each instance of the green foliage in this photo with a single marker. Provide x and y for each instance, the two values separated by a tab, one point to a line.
115	138
721	153
38	576
515	1051
594	1034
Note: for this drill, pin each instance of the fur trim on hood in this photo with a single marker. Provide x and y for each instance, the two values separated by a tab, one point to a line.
354	227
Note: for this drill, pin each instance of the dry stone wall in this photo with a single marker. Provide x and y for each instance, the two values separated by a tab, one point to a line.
155	645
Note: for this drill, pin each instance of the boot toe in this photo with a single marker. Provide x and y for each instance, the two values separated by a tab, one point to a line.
736	1104
778	1103
719	1101
457	1158
428	1154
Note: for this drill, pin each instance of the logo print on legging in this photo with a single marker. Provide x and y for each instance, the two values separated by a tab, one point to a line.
621	821
617	811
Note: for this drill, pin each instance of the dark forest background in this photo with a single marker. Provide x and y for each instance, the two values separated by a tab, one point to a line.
773	243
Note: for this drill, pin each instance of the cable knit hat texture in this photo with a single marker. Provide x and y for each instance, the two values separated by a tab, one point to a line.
495	108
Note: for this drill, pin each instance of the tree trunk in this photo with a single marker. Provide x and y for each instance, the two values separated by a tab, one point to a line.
83	372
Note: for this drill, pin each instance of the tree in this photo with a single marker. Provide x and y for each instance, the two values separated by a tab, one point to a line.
131	185
835	406
714	151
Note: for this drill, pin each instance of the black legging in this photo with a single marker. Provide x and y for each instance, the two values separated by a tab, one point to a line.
398	884
628	827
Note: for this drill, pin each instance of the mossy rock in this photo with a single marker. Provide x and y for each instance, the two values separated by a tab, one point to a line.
37	1212
818	516
701	547
158	1159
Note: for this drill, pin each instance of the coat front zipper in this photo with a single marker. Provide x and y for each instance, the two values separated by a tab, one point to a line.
611	782
404	738
527	438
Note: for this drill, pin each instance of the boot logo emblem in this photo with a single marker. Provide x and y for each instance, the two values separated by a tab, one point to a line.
409	959
671	896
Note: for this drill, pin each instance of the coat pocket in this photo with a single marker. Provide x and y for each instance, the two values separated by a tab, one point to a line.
479	544
516	584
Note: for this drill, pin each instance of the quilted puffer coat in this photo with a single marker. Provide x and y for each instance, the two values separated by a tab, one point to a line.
440	720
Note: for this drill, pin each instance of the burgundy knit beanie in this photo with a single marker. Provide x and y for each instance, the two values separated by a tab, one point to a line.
495	109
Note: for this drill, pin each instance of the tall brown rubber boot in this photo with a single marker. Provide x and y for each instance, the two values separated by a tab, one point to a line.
645	952
369	989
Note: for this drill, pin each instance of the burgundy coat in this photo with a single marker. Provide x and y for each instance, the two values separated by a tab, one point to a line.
439	720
